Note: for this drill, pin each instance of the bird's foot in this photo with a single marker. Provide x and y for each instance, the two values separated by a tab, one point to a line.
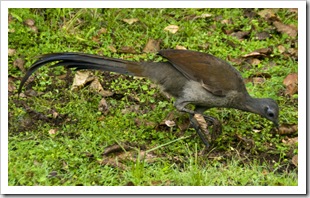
201	122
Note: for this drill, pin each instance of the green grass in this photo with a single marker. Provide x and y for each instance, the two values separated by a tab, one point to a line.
74	154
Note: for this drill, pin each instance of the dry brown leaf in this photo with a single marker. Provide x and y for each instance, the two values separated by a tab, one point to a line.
130	109
268	13
52	131
240	34
34	29
201	121
103	106
19	62
102	31
29	22
295	160
113	163
293	52
294	10
140	122
204	46
127	49
152	46
254	61
112	48
81	78
291	83
286	129
95	85
226	21
262	35
180	47
258	80
11	85
170	123
172	28
259	52
11	52
116	148
290	30
131	21
281	48
290	141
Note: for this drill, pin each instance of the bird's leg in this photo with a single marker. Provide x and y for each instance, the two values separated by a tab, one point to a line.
201	129
198	129
216	124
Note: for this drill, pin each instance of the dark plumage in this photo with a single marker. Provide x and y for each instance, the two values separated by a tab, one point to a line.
191	77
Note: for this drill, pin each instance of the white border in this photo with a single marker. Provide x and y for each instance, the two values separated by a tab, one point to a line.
300	189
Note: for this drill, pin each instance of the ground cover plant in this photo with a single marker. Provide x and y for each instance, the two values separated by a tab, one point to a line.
112	129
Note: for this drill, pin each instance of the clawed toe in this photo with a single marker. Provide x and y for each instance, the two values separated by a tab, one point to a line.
201	123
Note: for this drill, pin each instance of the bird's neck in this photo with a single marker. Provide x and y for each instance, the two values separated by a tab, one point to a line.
252	105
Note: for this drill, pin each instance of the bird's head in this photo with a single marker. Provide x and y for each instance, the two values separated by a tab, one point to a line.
266	107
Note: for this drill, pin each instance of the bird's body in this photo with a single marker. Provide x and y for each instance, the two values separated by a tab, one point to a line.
191	77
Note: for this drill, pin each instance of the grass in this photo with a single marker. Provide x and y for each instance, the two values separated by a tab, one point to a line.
158	155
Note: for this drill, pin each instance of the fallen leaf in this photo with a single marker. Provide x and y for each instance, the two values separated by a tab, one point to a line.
293	52
286	129
250	12
240	34
290	141
112	48
103	106
295	160
172	28
170	123
127	49
238	61
102	31
34	29
116	148
11	52
262	35
81	78
258	80
180	47
113	163
268	14
204	46
281	48
11	84
294	10
55	114
152	46
19	62
140	122
131	21
52	131
290	30
10	18
259	53
226	21
97	87
291	83
201	121
130	109
194	17
29	22
253	61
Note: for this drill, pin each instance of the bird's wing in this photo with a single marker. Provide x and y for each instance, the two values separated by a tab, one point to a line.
214	74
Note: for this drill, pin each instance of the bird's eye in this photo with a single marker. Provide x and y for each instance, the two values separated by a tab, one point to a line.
270	114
